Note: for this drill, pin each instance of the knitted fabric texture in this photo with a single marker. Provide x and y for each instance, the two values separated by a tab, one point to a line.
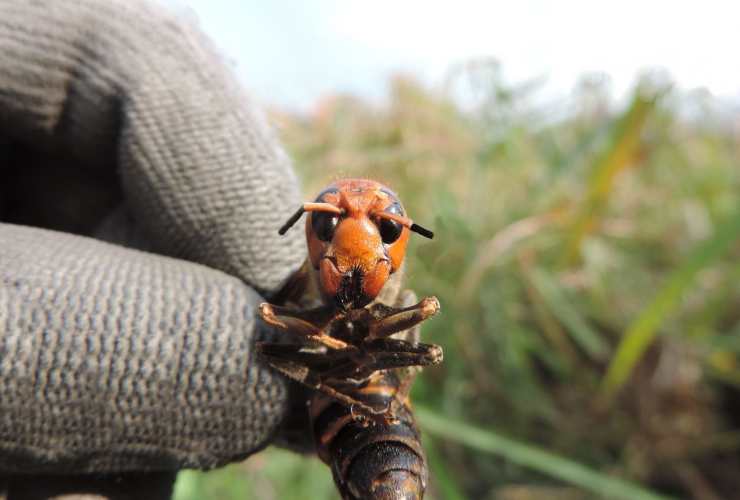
125	85
112	359
174	386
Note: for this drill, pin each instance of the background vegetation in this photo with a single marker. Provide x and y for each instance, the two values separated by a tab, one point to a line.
586	260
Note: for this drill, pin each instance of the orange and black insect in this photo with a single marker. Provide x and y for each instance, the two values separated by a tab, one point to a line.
359	348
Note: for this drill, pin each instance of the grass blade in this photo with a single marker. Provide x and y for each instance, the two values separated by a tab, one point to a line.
535	458
620	153
580	331
642	331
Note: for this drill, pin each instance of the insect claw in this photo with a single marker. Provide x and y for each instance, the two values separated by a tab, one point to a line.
429	306
267	313
436	355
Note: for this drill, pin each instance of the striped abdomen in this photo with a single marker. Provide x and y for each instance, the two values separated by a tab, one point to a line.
371	459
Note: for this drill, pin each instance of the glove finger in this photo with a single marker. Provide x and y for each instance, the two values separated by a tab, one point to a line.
114	359
127	86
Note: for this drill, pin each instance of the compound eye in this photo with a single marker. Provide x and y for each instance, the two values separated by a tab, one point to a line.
324	224
390	230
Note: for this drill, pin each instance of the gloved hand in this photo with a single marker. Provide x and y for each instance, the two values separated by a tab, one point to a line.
119	121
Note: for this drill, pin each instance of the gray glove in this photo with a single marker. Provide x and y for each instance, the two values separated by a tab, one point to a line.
119	121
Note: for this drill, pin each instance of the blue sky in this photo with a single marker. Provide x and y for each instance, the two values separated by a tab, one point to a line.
290	53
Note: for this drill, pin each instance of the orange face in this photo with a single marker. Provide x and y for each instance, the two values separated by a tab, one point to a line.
357	233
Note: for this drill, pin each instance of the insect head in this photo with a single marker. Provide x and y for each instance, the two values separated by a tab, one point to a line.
357	232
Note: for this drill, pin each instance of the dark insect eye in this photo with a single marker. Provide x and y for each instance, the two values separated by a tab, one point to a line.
390	230
324	224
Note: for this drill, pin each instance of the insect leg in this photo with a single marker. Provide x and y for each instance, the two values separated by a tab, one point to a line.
404	318
309	321
331	342
395	353
384	354
401	360
356	406
295	361
408	298
380	397
317	358
302	323
328	363
318	370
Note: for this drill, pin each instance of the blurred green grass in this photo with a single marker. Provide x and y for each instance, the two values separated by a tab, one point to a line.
587	266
